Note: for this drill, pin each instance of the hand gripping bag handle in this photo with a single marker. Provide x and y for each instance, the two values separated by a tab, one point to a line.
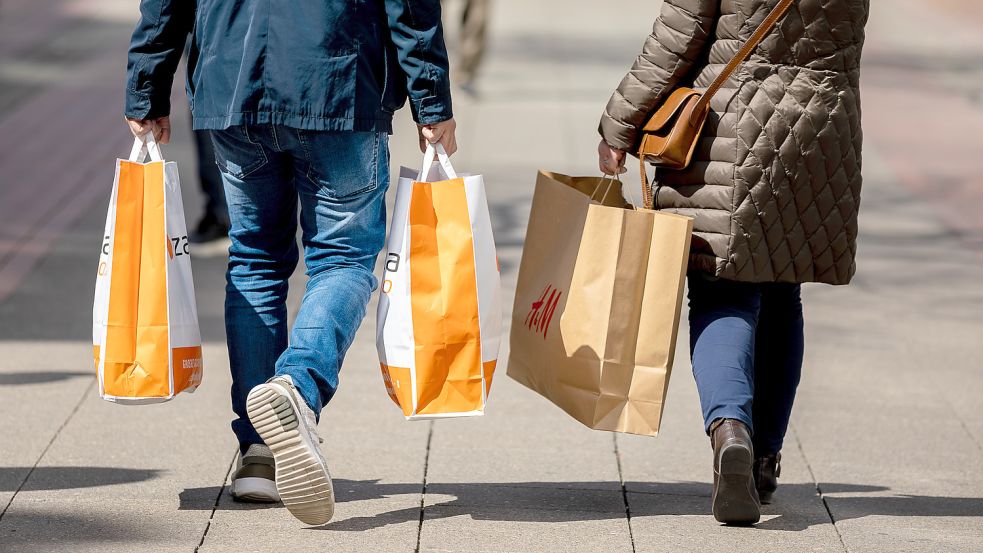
142	145
428	159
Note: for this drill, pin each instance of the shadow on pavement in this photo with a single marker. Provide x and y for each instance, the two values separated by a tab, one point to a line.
198	499
65	478
577	501
39	377
44	531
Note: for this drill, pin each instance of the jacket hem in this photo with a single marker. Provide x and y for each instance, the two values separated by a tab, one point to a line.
715	267
294	120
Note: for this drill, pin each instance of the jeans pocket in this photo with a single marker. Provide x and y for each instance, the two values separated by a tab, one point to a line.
343	165
236	154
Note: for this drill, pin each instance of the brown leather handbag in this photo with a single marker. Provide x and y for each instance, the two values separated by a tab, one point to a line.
669	137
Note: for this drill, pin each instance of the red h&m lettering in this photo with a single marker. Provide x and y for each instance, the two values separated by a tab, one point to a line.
541	313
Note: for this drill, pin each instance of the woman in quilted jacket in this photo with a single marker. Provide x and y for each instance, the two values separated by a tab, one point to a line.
773	189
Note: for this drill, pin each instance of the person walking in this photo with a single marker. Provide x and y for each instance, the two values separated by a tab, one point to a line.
299	100
773	189
471	43
214	223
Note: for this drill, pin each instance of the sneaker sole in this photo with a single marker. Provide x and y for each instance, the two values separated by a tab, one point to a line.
735	501
254	490
302	480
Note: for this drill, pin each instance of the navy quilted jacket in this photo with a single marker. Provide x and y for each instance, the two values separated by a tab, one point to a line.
318	65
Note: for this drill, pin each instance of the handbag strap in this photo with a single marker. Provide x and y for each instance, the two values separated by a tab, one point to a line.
759	34
648	197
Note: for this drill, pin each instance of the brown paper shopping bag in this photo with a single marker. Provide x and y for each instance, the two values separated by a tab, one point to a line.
597	303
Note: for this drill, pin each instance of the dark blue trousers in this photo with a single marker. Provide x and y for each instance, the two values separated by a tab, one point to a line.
746	342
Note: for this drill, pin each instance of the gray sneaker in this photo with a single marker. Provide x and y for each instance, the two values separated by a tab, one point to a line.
255	477
289	428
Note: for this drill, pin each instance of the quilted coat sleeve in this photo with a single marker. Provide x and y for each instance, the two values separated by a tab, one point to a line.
670	52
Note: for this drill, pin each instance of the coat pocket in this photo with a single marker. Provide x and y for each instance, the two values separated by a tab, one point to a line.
319	87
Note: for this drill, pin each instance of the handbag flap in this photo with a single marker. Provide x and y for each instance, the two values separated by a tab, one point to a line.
670	109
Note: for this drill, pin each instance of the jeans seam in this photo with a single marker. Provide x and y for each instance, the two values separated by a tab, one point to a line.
276	139
247	136
305	145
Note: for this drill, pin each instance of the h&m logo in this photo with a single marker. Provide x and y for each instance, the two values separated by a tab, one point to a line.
541	312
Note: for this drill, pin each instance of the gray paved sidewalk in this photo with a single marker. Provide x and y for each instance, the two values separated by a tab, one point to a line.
885	451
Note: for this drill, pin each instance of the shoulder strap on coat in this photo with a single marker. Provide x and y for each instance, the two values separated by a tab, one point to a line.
759	34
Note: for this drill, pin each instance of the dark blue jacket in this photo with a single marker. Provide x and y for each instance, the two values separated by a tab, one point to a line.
308	64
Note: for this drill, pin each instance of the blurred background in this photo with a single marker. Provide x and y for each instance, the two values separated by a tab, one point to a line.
887	433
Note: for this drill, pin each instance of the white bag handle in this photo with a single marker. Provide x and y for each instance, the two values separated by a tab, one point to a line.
142	145
441	155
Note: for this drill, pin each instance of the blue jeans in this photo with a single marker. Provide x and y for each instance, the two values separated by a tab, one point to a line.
746	342
339	181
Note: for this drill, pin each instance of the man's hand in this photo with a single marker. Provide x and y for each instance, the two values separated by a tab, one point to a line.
161	128
442	132
611	161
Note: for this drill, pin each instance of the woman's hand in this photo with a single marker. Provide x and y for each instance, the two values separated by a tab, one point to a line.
611	161
161	128
442	132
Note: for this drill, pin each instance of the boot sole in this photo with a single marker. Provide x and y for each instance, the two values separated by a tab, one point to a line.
302	480
735	501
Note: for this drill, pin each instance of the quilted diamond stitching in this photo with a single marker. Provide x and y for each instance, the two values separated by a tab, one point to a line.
797	175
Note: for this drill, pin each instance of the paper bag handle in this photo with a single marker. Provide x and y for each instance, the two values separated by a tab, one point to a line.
436	150
610	181
142	145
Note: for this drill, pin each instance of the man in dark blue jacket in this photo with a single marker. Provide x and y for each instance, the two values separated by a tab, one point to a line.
300	98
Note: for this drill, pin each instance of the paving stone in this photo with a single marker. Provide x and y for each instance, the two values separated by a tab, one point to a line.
96	523
368	517
511	496
522	530
672	523
38	393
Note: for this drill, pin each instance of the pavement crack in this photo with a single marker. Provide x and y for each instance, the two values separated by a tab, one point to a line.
819	489
624	490
969	432
423	491
955	414
27	477
218	498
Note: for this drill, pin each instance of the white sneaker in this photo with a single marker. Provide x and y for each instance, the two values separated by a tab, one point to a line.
289	428
255	477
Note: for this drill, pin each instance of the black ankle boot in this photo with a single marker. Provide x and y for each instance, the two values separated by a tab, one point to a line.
767	469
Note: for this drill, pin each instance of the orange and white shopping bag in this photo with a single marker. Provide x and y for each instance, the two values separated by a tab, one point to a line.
440	313
147	344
